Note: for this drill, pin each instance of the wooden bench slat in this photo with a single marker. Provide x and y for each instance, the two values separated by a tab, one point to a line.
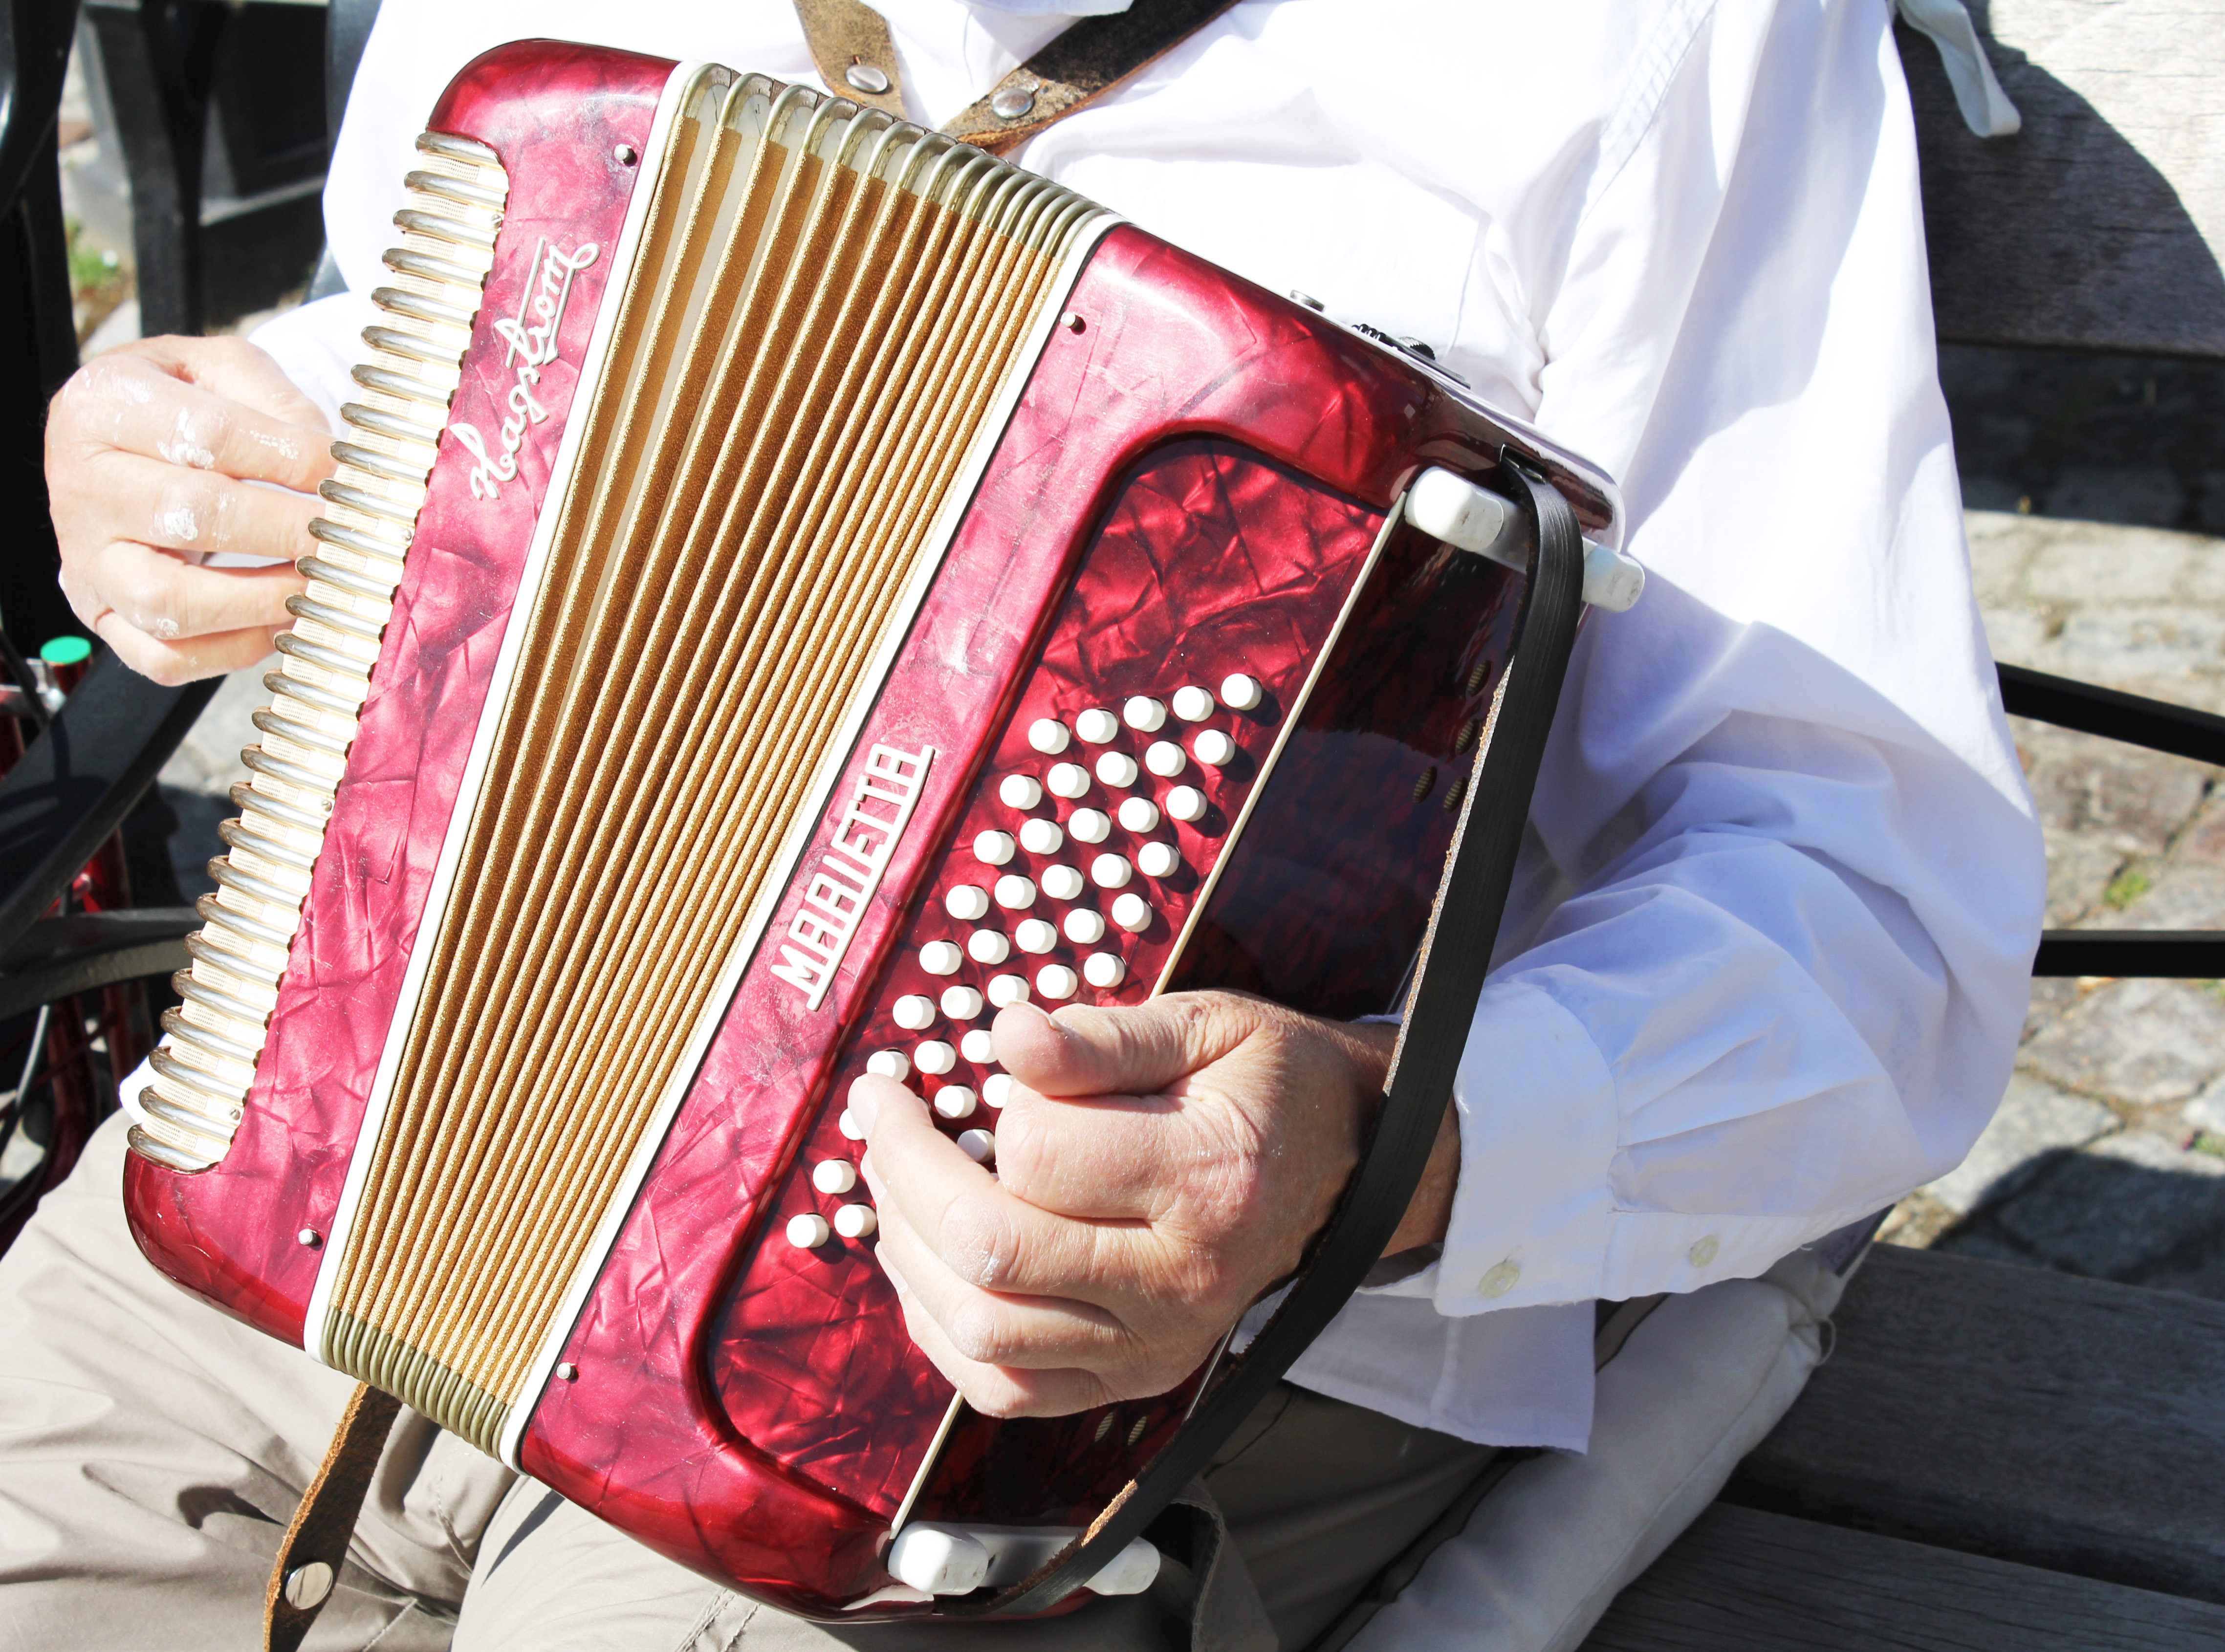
1740	1580
2100	226
2063	1422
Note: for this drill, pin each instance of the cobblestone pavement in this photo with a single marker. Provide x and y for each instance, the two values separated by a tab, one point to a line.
2092	482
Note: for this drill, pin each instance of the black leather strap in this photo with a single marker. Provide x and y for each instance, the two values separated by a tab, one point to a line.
1455	961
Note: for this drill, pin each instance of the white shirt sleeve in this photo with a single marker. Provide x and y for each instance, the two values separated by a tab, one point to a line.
1771	947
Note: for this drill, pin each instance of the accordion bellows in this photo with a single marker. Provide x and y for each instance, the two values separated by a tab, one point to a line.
746	500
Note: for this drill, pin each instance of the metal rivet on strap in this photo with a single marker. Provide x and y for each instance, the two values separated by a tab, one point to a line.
307	1586
1012	104
863	77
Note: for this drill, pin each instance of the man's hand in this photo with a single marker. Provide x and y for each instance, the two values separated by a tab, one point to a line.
150	449
1158	1169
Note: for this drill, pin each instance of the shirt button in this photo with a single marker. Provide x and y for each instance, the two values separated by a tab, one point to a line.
1500	1280
1703	1251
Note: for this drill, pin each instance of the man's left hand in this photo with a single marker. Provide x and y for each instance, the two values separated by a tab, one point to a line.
1159	1168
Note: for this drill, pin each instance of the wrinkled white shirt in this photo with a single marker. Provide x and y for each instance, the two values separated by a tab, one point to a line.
1768	956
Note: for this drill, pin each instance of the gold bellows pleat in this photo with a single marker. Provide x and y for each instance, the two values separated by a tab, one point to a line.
810	342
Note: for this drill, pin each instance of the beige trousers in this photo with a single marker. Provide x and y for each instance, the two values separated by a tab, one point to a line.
152	1453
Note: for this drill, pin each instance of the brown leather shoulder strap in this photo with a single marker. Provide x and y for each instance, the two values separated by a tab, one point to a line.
316	1544
850	46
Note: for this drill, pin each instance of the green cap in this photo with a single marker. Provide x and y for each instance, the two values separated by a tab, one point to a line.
66	651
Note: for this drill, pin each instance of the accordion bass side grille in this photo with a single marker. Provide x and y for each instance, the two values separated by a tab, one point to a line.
205	1063
805	350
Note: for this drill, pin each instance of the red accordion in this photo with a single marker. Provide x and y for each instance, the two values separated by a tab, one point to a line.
793	584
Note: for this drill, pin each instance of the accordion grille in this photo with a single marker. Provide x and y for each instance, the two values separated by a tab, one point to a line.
808	347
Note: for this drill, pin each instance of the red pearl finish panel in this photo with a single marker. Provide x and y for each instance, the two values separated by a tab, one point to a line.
555	115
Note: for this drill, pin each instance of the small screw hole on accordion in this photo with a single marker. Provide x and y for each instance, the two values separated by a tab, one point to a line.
755	634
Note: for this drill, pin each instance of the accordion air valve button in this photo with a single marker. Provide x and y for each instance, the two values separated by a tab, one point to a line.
940	958
856	1221
1042	838
966	902
1035	936
1084	927
834	1176
1056	981
1193	704
1049	736
1186	804
996	1089
1214	748
935	1058
1165	759
1015	892
1111	871
988	946
1132	913
808	1232
1006	990
962	1003
1105	970
978	1047
916	1013
889	1064
1090	825
1138	814
1144	715
993	848
978	1145
1097	726
1240	692
954	1101
1063	882
1068	780
1158	860
1118	770
1020	792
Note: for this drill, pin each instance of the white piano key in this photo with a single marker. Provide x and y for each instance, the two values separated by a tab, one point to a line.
1049	736
808	1232
916	1013
1186	804
1165	759
1089	825
1111	871
1015	893
1241	692
1214	748
1005	990
1097	726
1056	981
856	1221
834	1176
962	1003
995	848
1035	936
1158	860
1084	927
1143	714
978	1145
1138	814
954	1101
1020	792
1193	704
1068	780
988	946
935	1058
1042	838
1117	769
978	1047
1132	913
966	902
1105	970
996	1089
1063	882
940	958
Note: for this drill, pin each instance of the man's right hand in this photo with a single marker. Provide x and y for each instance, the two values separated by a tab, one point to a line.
151	451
